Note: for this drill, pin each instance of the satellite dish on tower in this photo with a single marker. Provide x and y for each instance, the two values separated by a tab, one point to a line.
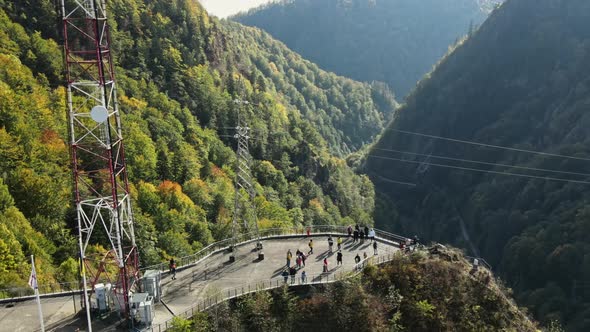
99	114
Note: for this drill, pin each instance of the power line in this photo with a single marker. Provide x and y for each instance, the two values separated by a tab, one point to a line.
484	162
489	145
482	170
394	181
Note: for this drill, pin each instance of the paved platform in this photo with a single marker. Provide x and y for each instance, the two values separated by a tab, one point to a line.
209	277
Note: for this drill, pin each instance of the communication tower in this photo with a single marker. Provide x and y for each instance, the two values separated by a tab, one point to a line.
101	188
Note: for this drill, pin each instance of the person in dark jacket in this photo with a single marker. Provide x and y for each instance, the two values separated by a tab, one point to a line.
173	268
292	272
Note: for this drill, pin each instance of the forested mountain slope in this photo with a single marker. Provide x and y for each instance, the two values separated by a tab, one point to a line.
392	41
179	72
521	81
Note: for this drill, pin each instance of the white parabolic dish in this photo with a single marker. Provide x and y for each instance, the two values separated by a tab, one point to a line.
99	114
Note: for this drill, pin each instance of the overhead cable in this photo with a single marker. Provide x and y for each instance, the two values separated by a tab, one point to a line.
484	162
489	145
481	170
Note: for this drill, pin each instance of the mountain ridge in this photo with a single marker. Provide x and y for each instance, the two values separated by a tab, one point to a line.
517	82
396	42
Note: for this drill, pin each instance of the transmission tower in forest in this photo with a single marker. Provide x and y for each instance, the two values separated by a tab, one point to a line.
101	188
243	181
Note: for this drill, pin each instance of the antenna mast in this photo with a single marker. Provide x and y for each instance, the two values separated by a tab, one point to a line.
101	187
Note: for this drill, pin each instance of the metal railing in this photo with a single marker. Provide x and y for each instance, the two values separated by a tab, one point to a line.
48	289
480	260
268	284
242	239
57	289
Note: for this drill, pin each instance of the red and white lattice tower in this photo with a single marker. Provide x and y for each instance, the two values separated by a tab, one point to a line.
100	176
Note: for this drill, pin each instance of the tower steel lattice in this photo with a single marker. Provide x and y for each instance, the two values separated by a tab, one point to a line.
243	179
101	188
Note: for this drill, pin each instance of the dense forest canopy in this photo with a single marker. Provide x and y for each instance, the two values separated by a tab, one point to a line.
392	41
520	81
179	72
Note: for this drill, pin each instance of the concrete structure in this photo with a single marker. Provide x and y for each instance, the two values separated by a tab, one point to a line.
210	277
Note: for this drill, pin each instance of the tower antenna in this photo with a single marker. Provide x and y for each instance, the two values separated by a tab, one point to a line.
101	190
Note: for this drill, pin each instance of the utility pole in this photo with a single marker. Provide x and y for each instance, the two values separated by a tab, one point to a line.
101	190
243	180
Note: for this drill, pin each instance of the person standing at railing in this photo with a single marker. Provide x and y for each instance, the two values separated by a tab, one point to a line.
374	247
330	243
292	272
310	244
339	258
285	274
362	236
339	242
372	234
172	268
349	230
289	256
303	277
308	231
367	232
357	259
355	236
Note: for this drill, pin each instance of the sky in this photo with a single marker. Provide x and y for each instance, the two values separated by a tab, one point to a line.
224	8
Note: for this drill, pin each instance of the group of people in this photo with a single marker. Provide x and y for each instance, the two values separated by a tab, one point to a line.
292	271
299	263
331	244
361	234
300	257
409	245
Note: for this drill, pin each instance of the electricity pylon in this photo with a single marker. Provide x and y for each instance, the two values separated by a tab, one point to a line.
243	181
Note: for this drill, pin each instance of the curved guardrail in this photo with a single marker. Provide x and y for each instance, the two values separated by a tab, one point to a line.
67	289
268	284
318	230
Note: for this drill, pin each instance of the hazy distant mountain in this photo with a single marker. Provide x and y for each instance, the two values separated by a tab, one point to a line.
521	81
394	41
